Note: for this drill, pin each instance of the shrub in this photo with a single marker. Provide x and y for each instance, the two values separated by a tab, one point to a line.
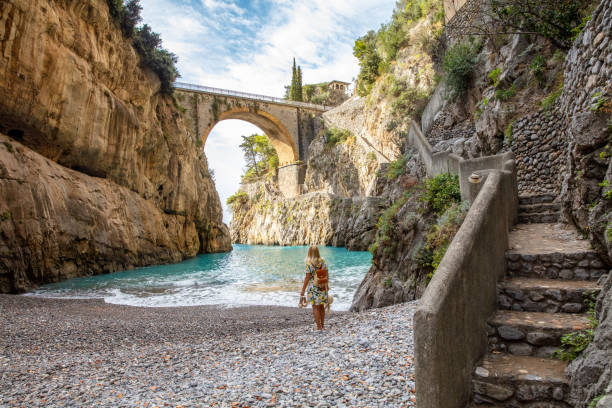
442	233
8	146
146	42
458	65
5	216
505	94
239	198
386	222
595	401
441	192
538	69
508	132
494	76
574	343
406	100
549	101
334	136
557	20
396	168
369	60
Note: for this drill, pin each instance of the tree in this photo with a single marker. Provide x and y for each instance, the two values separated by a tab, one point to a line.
146	42
369	61
130	17
557	20
298	86
260	156
294	91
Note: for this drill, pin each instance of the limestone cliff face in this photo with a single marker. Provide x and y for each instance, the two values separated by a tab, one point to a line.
74	91
263	217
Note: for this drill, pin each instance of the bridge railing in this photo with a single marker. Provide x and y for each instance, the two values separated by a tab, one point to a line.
246	95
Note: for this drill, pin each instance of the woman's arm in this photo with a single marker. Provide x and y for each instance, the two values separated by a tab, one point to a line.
306	279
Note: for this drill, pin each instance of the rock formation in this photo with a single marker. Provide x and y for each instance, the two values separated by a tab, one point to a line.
74	91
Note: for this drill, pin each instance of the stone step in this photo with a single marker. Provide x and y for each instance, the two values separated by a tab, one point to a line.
503	380
540	208
546	295
536	199
539	218
532	333
584	265
553	251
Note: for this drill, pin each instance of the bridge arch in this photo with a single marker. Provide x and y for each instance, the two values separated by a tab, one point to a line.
279	135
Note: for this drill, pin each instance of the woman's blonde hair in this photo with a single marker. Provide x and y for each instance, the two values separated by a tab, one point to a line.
313	257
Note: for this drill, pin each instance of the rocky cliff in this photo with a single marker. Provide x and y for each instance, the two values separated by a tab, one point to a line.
262	216
346	173
74	91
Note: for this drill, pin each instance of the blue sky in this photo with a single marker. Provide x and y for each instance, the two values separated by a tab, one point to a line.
249	46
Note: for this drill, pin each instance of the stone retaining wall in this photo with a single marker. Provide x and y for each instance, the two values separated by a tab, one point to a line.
539	143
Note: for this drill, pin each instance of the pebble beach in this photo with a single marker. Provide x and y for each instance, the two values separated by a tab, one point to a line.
73	352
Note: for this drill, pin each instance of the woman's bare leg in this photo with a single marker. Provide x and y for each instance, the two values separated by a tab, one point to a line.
315	313
322	315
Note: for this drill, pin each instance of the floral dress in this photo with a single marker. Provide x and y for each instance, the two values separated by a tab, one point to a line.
316	296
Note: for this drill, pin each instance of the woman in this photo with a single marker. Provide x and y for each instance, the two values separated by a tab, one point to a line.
316	283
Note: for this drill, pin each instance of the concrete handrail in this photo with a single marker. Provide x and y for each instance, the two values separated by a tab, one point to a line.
449	323
183	86
447	162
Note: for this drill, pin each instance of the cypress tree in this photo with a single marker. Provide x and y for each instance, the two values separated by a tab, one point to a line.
298	87
292	90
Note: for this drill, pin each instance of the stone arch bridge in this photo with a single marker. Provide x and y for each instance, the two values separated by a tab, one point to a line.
290	125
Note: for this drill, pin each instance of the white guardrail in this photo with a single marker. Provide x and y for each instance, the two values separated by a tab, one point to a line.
218	91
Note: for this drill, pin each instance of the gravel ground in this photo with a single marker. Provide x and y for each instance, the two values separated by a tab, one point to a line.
56	352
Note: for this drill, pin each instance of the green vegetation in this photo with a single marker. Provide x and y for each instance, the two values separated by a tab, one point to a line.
146	42
385	223
9	147
538	70
549	101
557	20
441	192
260	156
441	234
294	92
334	136
607	191
238	199
396	168
481	105
599	102
458	65
508	132
407	101
574	343
595	401
505	94
317	93
494	76
5	216
369	61
376	50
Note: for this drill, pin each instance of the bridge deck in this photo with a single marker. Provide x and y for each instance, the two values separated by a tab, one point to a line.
182	86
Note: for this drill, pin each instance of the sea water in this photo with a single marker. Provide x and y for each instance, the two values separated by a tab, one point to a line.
248	275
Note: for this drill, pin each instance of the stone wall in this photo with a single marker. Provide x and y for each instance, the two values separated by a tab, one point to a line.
539	143
588	116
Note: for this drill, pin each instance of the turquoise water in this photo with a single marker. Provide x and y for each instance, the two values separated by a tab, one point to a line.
249	275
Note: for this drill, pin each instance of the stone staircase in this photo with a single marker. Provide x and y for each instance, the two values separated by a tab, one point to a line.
550	272
538	209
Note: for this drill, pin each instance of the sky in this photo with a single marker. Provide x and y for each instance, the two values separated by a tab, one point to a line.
249	46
